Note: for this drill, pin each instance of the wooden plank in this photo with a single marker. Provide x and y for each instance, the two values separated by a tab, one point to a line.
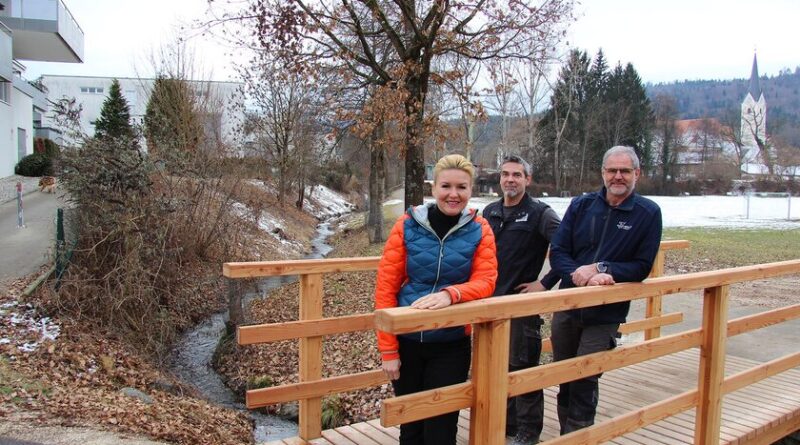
654	306
783	428
711	373
490	380
539	377
256	398
761	320
336	438
424	404
633	326
402	320
653	322
253	269
356	436
629	422
377	435
750	376
265	333
391	431
310	363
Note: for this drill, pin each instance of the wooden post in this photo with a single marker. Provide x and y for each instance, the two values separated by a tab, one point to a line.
654	308
712	365
487	423
310	410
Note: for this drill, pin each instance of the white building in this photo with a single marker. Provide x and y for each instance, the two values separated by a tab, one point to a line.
39	30
754	112
222	100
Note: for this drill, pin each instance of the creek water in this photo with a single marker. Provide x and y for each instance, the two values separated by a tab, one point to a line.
191	360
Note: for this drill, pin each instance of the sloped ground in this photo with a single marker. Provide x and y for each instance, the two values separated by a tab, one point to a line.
56	372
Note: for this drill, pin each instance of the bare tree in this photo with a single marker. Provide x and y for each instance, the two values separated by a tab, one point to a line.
501	100
755	126
417	32
666	112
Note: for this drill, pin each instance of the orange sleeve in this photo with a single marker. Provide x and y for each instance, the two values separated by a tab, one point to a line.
484	269
391	275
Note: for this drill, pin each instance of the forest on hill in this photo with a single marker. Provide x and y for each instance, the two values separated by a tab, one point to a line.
722	99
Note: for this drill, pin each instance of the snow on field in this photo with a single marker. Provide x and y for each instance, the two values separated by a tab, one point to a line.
708	211
325	203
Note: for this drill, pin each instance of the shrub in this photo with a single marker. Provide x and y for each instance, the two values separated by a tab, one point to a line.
36	164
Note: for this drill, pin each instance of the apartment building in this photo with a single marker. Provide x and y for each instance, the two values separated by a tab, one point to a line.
223	104
35	30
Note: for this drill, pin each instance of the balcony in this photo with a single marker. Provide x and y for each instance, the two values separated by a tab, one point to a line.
44	31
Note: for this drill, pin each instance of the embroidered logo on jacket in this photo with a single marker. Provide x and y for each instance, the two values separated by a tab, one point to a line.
623	226
522	218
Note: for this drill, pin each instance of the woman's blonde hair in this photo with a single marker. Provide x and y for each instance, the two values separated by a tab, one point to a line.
456	162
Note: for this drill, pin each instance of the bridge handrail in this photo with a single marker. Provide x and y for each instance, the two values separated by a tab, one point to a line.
312	327
492	384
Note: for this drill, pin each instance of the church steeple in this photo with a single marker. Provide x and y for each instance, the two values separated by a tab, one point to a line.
755	86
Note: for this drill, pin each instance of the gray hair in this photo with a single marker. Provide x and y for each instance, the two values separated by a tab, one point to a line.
518	159
624	149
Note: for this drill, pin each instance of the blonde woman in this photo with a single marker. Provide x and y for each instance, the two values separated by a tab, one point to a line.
437	254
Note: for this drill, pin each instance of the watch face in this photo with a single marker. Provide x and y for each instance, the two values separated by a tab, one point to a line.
601	267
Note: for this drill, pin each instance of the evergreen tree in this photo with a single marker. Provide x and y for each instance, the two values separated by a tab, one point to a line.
115	116
171	123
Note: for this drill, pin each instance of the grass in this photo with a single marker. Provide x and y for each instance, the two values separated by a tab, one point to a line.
735	247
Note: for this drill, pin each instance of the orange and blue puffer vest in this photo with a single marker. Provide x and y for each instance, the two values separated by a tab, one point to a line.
416	262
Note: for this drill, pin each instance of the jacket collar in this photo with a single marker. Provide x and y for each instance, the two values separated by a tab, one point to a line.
626	205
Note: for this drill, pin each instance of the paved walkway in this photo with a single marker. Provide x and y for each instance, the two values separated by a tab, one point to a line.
25	250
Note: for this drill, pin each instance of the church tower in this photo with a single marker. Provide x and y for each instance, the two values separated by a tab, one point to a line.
754	112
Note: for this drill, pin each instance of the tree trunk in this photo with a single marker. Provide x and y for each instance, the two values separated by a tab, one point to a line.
377	162
415	153
235	310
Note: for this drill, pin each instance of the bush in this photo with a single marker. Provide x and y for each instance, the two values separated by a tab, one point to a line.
36	164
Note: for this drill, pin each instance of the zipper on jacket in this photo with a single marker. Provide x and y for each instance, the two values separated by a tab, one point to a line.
428	227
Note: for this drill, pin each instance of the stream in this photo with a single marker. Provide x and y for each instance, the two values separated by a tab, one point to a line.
191	360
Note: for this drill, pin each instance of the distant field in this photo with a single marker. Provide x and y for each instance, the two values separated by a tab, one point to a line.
735	247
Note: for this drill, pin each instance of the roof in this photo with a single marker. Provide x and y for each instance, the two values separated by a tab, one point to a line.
755	87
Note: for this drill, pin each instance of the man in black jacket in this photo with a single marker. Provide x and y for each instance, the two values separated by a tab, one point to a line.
606	237
522	227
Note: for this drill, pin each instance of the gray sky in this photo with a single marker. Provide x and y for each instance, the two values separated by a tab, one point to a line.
666	40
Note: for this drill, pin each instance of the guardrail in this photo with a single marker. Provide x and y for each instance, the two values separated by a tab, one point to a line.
312	327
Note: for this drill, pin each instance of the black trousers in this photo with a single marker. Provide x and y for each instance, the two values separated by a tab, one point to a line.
426	366
577	400
525	413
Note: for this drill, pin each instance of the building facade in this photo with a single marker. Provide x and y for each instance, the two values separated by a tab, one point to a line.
37	30
222	101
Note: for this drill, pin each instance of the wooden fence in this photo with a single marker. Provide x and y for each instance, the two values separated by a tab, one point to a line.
312	327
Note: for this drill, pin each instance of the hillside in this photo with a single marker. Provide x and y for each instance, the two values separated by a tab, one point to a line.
720	98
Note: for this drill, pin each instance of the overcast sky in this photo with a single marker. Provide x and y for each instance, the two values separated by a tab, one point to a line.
666	40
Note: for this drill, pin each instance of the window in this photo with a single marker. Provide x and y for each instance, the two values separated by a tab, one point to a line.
92	90
5	91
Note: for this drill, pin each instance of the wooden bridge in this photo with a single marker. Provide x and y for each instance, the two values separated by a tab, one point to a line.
680	388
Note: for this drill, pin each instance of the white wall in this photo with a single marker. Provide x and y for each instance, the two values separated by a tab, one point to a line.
137	93
18	114
8	150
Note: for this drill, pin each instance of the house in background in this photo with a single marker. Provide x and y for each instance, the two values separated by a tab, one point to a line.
36	30
224	104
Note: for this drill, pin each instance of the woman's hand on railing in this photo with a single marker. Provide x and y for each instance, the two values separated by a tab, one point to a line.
435	300
392	368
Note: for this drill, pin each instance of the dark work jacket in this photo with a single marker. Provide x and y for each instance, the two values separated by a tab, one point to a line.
626	237
522	235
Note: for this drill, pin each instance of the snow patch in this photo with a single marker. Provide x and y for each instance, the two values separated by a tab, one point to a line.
325	203
22	326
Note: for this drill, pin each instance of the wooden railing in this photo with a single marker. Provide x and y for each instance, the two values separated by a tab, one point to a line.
311	328
491	384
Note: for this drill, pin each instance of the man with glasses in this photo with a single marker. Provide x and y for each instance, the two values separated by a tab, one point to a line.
606	237
523	227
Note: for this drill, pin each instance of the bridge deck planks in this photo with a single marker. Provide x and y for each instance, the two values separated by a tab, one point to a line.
745	413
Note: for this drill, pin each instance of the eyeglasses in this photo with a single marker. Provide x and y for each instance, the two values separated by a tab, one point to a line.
614	171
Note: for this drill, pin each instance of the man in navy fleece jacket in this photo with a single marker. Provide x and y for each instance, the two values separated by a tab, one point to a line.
606	237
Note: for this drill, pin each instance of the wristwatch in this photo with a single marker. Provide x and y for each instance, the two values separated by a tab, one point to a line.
601	267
